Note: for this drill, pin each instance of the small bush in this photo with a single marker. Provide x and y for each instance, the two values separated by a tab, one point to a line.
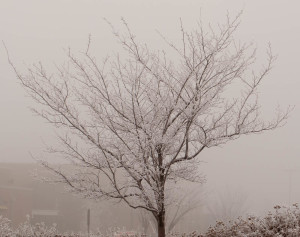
27	229
283	222
5	229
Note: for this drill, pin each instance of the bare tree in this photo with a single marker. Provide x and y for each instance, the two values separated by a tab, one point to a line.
133	126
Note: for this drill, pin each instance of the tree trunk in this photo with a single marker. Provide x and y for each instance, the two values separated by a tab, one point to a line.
161	225
161	200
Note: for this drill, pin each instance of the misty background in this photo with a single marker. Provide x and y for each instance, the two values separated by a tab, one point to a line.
263	169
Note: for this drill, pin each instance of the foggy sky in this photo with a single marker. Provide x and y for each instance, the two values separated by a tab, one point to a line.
35	30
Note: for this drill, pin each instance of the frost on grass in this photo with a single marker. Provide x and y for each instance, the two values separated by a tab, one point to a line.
281	222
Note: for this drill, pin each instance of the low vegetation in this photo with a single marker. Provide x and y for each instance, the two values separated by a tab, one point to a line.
282	222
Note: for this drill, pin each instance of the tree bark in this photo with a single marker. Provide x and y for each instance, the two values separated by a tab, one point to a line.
161	201
161	230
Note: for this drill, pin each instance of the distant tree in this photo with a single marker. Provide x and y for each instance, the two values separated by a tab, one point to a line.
133	125
188	202
227	206
182	205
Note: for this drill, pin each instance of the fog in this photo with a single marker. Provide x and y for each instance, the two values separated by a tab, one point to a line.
264	168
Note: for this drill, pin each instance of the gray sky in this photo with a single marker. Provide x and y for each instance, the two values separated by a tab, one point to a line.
36	30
